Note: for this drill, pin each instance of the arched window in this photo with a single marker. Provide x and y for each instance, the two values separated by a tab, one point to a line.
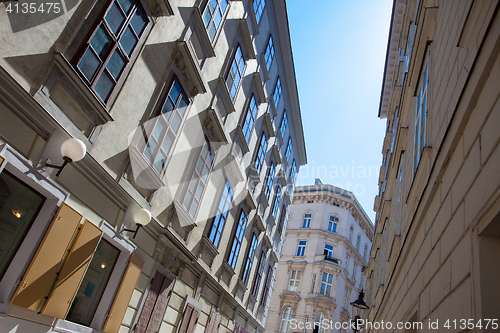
358	241
350	234
318	320
286	317
307	220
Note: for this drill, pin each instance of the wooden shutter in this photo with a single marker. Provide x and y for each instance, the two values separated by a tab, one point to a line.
213	324
42	270
160	306
123	295
72	273
189	320
149	304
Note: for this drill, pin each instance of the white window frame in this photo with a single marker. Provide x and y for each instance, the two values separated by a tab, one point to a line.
294	281
421	113
334	220
326	284
306	221
286	318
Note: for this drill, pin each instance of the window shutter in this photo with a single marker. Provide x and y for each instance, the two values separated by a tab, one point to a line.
213	325
122	297
155	304
149	304
47	260
189	319
160	306
72	273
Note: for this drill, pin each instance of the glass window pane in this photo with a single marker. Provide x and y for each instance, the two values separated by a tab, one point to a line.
126	5
223	5
101	42
128	41
89	64
204	175
93	284
212	31
187	199
114	18
167	107
139	22
167	142
150	149
175	92
19	206
199	165
206	17
176	122
104	86
194	206
182	105
217	19
160	161
116	64
158	130
199	190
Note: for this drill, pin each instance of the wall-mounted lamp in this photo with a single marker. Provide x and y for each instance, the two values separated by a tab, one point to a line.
141	218
72	150
360	303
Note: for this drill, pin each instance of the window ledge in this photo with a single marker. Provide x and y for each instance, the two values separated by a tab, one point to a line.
142	167
163	8
269	124
213	126
228	102
241	140
204	38
264	66
259	88
64	326
247	39
209	247
187	64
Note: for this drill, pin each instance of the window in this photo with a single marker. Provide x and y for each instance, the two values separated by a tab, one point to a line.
277	93
165	127
261	153
307	220
250	119
313	285
267	285
301	249
358	241
258	8
276	201
354	268
293	172
318	323
258	276
346	296
270	179
249	260
286	318
326	284
269	54
346	267
111	45
420	115
365	252
212	16
198	180
235	72
333	223
221	217
306	324
284	123
288	152
293	283
350	234
238	238
282	220
328	251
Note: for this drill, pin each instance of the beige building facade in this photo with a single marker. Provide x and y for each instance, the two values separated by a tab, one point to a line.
320	270
188	119
435	255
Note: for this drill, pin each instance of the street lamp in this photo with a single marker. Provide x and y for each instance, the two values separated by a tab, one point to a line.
72	150
360	304
141	218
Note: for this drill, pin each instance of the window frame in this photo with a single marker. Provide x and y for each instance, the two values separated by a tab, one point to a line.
283	124
276	201
245	274
238	74
238	235
421	110
269	53
301	248
333	223
259	10
277	91
260	152
130	59
218	228
293	171
329	249
288	152
270	180
199	178
250	117
259	274
326	286
306	221
286	321
294	280
206	25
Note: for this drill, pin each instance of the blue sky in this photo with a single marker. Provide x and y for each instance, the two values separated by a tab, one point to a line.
339	54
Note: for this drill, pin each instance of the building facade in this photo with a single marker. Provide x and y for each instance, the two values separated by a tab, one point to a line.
435	254
320	270
189	115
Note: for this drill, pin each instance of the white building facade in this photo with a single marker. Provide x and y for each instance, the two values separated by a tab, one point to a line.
320	270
